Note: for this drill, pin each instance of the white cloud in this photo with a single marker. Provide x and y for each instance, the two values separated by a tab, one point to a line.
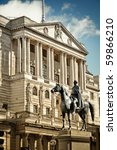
66	6
83	27
78	27
17	8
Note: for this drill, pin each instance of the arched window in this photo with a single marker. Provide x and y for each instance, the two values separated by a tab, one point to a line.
34	90
46	94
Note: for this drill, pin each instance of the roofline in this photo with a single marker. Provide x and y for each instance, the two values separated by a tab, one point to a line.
67	31
23	17
4	17
84	52
48	37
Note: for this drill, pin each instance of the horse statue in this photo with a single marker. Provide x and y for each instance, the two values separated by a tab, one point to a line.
68	105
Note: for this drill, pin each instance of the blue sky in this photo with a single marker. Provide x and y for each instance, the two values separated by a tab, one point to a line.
80	17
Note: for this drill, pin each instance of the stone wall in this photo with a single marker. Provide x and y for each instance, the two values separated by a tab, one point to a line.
17	99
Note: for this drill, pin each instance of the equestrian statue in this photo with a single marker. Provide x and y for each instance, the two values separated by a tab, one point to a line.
73	104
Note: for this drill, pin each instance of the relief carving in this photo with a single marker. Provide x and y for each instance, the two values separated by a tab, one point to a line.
58	32
45	30
69	41
28	93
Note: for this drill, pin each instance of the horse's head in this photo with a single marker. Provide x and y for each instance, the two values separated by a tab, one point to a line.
57	88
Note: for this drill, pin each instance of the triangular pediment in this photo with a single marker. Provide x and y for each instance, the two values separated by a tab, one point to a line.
57	31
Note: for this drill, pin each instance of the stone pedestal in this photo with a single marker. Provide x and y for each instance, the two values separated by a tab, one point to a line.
73	140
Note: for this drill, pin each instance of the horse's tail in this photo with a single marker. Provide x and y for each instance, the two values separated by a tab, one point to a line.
91	110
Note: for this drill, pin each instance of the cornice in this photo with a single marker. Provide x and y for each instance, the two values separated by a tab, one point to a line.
64	29
50	38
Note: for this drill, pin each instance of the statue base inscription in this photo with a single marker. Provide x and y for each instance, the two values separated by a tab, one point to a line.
73	140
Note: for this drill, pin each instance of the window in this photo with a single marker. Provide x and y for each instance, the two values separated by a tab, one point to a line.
32	48
44	53
45	71
32	70
48	111
34	91
46	94
5	106
56	57
91	95
56	77
35	108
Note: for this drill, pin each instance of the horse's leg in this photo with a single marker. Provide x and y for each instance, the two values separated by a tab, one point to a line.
63	115
84	125
68	114
83	120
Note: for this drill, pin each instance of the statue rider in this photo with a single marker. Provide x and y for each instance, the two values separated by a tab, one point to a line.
75	94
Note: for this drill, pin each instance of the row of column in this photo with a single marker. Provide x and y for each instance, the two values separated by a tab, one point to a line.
77	68
23	58
29	142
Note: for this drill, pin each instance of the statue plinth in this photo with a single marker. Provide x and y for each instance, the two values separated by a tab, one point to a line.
73	140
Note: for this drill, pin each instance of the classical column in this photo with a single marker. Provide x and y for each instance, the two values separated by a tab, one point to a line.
9	62
19	56
48	64
8	137
25	140
28	56
11	57
84	74
17	142
71	71
78	71
40	60
32	143
37	59
39	143
52	64
61	68
24	54
75	70
45	143
81	74
65	68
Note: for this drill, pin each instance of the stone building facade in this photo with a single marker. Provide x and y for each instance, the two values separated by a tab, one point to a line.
33	58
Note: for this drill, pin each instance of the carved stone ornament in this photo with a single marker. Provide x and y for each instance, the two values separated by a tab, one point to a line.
58	32
28	92
69	41
45	30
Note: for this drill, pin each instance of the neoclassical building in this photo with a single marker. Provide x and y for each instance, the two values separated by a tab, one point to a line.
33	58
